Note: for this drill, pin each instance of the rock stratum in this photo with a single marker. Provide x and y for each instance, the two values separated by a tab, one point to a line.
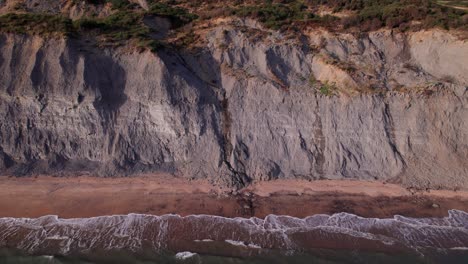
245	104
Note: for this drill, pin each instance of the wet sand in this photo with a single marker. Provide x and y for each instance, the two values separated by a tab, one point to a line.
163	194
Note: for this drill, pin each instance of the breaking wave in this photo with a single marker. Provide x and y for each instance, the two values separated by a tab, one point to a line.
204	234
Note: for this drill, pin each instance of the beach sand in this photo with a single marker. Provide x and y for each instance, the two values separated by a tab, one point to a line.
84	196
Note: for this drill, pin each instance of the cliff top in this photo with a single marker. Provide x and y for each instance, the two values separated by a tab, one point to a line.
116	21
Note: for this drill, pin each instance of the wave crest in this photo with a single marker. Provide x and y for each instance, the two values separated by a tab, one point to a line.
135	232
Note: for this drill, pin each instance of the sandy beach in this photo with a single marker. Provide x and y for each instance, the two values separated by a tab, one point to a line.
163	194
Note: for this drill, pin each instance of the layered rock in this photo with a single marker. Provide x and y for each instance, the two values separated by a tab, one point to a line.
243	106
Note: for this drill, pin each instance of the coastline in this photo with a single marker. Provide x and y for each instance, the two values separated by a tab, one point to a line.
85	196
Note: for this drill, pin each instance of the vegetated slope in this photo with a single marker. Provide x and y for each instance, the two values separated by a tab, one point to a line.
231	100
121	20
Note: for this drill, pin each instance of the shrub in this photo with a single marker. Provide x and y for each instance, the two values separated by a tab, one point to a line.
35	23
312	80
372	14
116	4
122	25
275	16
179	16
127	20
328	89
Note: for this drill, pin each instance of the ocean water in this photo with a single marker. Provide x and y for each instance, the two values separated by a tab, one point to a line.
136	238
329	257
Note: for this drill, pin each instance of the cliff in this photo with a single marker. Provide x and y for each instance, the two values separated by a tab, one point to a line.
244	104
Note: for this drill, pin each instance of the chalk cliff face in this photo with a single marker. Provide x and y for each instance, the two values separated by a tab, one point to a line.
243	106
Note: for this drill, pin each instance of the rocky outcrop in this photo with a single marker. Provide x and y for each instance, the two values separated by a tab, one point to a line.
244	106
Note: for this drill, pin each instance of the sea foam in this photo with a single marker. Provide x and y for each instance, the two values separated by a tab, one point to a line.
137	232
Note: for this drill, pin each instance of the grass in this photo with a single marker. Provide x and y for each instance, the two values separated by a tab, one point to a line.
325	88
328	89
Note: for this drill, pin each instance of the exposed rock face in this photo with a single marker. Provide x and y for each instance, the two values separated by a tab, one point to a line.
240	109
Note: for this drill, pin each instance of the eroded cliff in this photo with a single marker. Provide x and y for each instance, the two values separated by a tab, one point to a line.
245	104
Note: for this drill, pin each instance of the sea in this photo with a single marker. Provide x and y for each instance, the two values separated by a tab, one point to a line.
139	238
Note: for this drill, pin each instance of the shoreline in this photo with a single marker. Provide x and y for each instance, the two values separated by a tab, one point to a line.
85	196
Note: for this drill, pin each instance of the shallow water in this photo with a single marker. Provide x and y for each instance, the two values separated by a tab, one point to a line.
325	257
135	238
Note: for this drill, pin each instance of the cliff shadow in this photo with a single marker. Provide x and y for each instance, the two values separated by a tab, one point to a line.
202	72
107	79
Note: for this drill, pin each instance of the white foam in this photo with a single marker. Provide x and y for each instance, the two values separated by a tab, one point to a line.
254	246
57	237
459	248
185	255
131	231
204	240
242	244
236	243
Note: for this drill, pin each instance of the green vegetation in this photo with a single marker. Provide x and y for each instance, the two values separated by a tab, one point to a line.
280	15
374	14
124	24
118	27
328	89
127	19
275	15
36	23
363	14
179	16
116	4
454	3
312	80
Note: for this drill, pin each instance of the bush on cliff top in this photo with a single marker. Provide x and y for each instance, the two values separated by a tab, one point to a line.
118	27
117	4
179	16
277	14
374	14
363	14
126	21
124	24
35	23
